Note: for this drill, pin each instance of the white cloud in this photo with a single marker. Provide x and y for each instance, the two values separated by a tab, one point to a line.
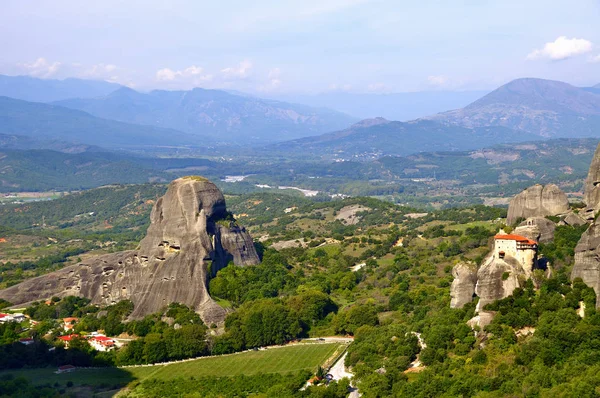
99	71
242	71
562	48
595	58
40	68
377	88
341	87
191	73
437	80
273	80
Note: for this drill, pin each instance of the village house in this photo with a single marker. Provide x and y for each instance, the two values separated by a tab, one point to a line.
26	341
18	317
101	343
69	323
67	339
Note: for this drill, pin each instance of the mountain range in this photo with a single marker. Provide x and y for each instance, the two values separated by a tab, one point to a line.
522	110
226	117
542	107
373	138
45	122
47	90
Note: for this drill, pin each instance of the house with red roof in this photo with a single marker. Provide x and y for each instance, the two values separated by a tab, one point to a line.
67	339
102	343
69	323
523	249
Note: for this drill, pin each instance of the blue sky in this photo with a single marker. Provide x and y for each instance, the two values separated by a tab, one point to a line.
305	46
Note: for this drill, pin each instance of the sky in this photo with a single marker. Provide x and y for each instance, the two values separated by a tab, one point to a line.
303	46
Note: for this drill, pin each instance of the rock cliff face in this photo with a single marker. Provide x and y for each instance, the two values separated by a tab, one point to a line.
539	229
591	195
587	251
537	201
463	285
183	246
587	259
497	279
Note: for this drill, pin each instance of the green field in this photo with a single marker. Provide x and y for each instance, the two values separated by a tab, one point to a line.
274	360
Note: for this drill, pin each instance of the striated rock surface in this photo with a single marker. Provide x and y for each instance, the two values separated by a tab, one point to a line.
497	279
183	246
591	196
463	285
574	219
537	201
587	259
539	229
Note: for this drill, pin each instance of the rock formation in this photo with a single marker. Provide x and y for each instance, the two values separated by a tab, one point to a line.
507	267
497	279
537	201
587	259
591	196
463	285
539	229
191	236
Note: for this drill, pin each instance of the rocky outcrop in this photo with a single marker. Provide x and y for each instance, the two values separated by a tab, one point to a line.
463	285
185	244
574	219
539	229
587	259
537	201
591	196
497	279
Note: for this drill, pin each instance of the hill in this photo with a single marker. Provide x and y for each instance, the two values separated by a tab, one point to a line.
44	170
51	122
542	107
224	116
373	138
46	90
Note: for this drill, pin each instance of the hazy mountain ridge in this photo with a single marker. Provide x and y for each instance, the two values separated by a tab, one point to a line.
51	122
47	90
219	114
543	107
373	138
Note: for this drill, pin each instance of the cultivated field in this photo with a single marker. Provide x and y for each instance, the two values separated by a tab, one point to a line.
283	360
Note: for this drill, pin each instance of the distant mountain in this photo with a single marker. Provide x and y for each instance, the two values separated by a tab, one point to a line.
55	123
373	138
542	107
11	141
597	86
47	90
224	116
393	106
45	170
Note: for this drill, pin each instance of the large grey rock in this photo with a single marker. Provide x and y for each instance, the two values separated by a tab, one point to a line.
497	279
539	229
574	219
537	201
587	259
591	196
184	245
463	285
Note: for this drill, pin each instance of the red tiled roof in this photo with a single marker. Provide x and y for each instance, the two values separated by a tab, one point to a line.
69	320
518	238
27	339
69	337
3	315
